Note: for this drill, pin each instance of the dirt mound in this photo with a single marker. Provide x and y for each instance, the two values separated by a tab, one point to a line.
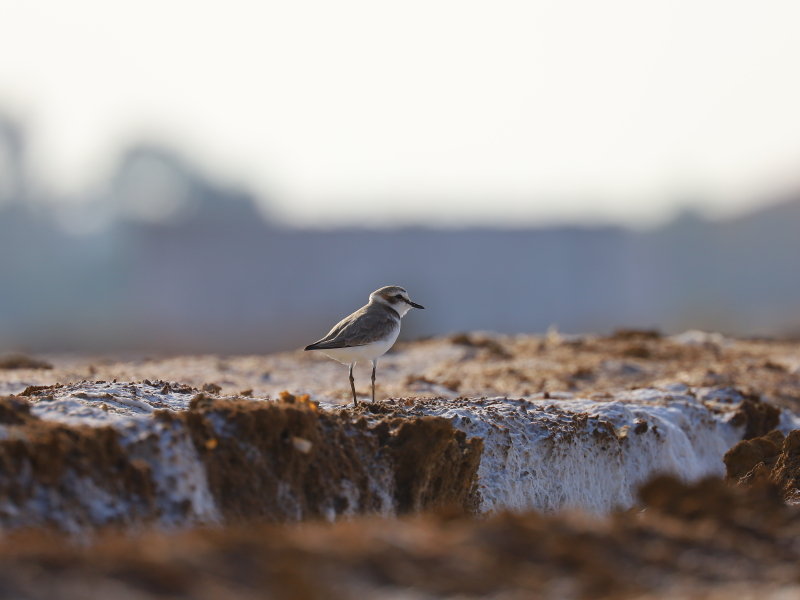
433	466
688	538
759	418
287	460
786	473
540	453
232	460
747	454
769	460
712	500
16	360
55	475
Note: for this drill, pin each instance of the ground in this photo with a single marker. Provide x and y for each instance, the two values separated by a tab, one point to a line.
469	365
709	539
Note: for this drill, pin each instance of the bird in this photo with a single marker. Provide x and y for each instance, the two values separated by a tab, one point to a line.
368	333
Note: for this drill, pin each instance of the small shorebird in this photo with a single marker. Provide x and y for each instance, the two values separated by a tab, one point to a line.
368	333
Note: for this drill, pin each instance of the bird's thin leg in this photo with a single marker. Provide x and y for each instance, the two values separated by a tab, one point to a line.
353	385
374	366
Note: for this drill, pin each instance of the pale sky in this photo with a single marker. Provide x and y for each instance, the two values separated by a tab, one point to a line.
421	111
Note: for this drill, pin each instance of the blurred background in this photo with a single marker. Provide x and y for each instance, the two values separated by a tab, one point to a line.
235	177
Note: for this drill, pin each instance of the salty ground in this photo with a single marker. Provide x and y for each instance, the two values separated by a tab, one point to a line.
461	365
489	467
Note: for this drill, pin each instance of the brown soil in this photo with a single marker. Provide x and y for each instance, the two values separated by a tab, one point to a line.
22	361
712	540
286	460
689	542
271	461
47	468
770	460
786	473
522	365
747	454
759	418
470	365
433	467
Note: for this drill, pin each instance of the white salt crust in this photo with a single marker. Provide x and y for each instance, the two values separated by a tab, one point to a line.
542	454
556	454
182	491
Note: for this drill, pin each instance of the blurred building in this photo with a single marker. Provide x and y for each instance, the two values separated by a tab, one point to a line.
163	259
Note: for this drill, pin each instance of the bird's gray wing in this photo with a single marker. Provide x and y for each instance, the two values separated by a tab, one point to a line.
361	328
334	333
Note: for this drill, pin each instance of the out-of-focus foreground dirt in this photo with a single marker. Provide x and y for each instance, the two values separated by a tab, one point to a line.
705	541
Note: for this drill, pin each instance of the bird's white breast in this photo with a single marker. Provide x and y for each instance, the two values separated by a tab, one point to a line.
367	352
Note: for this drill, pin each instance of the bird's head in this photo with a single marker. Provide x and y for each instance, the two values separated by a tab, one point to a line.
394	296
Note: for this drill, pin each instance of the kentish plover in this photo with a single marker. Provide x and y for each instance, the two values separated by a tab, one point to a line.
368	333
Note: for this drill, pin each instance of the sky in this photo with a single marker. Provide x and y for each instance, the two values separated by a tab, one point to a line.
434	112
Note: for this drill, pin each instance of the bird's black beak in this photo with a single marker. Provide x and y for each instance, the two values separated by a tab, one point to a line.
414	304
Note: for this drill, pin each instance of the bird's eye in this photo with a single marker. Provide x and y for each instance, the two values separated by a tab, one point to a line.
399	296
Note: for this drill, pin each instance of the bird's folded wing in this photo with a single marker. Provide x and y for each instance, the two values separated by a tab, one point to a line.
358	329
